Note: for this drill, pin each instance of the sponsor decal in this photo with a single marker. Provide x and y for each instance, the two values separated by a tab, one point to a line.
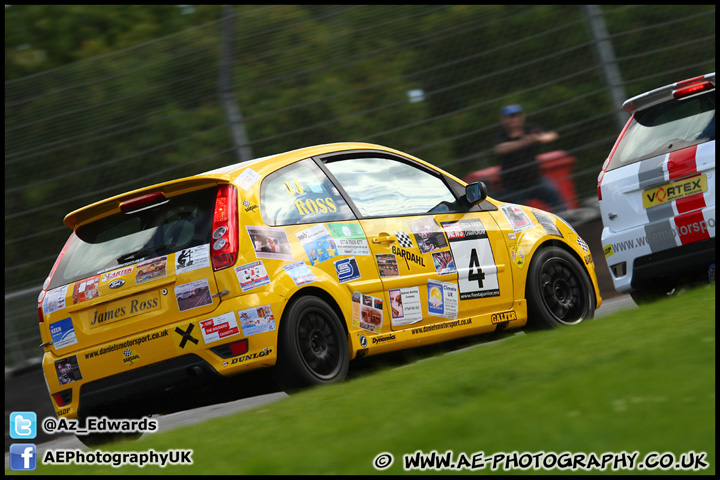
250	356
247	179
318	244
383	339
387	265
441	326
130	356
347	269
517	217
68	370
127	344
250	207
184	338
257	320
300	273
125	309
367	312
608	251
517	255
218	328
192	259
270	242
117	273
63	333
474	260
151	269
363	341
547	223
55	299
674	191
349	239
588	259
408	257
405	305
444	263
442	299
582	244
503	317
252	275
193	295
404	239
86	289
428	234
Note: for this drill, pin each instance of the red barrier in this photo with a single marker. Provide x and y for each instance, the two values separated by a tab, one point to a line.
556	166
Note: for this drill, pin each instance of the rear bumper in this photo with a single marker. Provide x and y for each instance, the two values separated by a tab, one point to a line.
129	391
668	267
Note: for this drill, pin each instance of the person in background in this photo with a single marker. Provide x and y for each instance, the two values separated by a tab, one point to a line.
517	146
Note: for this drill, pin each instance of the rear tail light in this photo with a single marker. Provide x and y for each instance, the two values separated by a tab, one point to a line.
612	152
63	398
224	242
692	89
41	297
600	177
143	201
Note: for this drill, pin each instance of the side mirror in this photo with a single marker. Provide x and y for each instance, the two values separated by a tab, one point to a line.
475	193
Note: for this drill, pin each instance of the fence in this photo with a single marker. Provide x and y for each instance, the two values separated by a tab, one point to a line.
425	79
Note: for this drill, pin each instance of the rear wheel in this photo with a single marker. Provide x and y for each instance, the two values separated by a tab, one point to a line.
312	345
559	291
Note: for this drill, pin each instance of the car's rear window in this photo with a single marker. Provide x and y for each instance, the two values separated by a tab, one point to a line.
181	222
665	128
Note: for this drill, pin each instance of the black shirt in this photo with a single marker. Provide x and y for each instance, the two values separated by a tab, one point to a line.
520	170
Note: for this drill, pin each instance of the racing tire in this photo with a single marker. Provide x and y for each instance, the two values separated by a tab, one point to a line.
312	345
559	292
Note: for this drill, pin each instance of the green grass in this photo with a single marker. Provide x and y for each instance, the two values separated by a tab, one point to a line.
640	380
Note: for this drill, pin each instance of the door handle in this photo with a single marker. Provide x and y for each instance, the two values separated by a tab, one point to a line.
383	239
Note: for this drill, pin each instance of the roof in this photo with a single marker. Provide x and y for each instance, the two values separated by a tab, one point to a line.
262	166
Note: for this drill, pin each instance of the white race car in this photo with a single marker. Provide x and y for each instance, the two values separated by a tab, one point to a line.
657	191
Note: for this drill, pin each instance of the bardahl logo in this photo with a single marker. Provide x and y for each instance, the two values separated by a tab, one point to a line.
408	256
382	339
249	207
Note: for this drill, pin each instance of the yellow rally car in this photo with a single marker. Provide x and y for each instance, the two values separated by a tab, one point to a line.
304	261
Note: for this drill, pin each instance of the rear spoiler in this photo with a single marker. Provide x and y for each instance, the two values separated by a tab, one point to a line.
111	205
668	92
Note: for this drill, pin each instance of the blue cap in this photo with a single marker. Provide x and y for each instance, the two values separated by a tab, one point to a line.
510	110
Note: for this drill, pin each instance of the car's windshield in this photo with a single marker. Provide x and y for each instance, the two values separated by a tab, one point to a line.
665	128
182	222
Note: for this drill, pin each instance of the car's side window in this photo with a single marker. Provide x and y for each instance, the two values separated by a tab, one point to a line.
381	187
301	193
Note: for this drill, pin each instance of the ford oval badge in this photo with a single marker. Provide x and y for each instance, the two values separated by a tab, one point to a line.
117	283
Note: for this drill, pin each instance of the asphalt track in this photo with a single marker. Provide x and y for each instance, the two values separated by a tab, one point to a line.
198	415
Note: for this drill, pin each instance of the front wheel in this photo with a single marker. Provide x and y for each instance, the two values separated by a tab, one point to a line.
312	345
559	291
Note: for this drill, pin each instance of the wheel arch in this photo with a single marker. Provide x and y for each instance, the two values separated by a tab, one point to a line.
313	291
552	243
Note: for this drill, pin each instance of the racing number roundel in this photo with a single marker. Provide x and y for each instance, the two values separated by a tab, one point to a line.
474	261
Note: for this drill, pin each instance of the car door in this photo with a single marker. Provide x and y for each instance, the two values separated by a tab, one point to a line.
436	259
